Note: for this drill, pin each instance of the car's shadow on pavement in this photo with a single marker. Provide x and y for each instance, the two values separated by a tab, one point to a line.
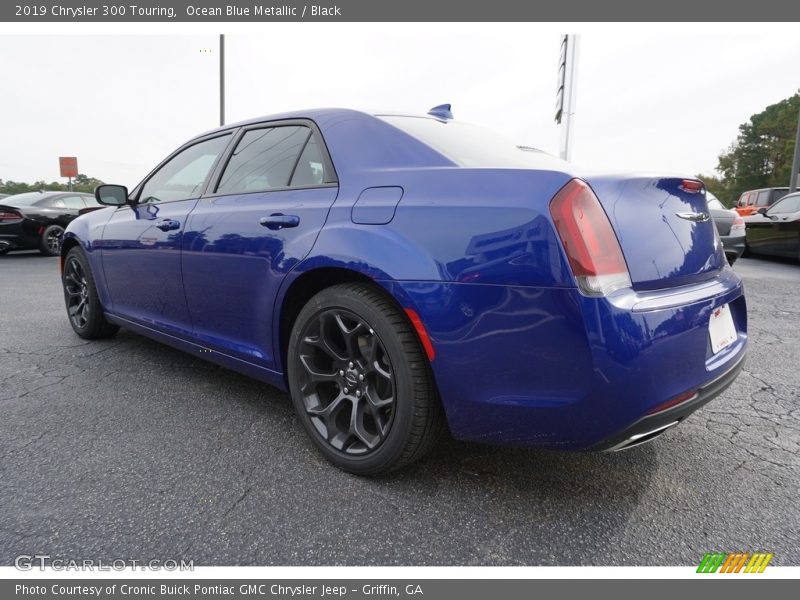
213	466
23	254
531	484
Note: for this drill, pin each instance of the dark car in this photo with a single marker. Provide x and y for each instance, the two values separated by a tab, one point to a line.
752	200
36	220
730	227
775	231
393	271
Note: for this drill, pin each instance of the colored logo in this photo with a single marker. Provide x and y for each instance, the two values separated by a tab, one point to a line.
734	562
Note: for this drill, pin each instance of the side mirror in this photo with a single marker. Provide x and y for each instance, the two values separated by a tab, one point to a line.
111	195
762	211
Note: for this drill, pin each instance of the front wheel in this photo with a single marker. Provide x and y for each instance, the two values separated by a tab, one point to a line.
360	381
80	295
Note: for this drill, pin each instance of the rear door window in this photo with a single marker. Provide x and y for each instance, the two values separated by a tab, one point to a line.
763	198
265	159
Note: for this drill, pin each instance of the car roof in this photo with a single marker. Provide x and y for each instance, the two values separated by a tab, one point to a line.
45	194
313	114
764	189
48	193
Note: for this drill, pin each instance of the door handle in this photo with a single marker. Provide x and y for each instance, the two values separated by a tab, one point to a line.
279	221
168	225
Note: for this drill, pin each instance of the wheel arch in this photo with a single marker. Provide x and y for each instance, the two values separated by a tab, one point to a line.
309	282
70	241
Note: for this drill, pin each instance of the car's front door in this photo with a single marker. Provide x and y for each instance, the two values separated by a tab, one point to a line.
259	221
142	244
784	213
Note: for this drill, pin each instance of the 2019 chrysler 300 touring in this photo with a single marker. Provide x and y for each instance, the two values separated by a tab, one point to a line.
400	275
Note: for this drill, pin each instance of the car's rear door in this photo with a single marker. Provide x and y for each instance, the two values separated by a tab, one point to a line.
142	244
259	219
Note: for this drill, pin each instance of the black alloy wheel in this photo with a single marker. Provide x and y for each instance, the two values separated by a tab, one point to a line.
360	381
76	291
50	244
84	310
348	382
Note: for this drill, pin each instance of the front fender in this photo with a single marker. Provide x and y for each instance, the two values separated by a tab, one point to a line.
87	231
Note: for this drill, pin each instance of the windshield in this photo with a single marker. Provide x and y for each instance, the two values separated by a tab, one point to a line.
25	199
470	145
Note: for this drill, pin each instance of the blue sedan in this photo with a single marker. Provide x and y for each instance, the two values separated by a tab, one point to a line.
402	275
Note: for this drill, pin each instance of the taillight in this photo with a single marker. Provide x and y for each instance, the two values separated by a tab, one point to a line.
9	215
738	223
589	241
691	186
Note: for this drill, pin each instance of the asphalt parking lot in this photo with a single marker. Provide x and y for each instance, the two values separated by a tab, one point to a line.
129	449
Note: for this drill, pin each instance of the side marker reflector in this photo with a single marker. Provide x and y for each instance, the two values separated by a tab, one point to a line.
423	335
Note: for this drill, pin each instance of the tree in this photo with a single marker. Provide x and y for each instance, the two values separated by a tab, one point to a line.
81	183
762	154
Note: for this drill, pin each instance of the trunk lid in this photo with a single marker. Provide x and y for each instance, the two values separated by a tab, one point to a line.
666	233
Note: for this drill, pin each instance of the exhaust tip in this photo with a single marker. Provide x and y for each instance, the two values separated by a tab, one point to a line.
641	438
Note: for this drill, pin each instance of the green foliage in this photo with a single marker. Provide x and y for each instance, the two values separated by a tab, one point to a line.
81	183
762	154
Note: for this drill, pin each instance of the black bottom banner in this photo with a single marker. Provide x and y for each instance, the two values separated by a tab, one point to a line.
366	589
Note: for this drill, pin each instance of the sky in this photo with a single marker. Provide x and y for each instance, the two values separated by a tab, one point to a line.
648	98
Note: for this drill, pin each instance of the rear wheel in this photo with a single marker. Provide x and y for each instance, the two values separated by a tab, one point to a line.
80	295
360	381
50	242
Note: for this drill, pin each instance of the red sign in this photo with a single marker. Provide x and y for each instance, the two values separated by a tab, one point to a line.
69	166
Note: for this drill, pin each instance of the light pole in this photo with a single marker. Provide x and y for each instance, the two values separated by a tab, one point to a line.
222	79
565	95
796	161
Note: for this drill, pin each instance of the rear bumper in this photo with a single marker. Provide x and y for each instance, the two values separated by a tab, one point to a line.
651	426
19	235
548	367
733	246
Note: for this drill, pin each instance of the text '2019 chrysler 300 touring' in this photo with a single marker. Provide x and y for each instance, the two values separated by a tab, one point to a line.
400	275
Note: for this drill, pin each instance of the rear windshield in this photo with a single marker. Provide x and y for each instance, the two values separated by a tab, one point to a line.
470	145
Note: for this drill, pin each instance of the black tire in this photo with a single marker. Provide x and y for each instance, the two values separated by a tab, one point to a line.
50	242
354	331
84	310
746	253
